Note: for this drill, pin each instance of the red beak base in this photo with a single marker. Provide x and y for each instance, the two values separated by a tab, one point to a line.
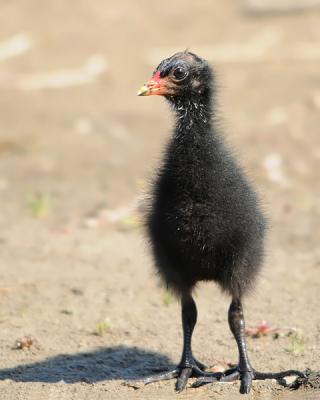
155	85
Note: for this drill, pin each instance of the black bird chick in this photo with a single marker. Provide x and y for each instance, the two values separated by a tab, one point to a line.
204	222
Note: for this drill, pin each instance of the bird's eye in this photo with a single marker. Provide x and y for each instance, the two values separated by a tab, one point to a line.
179	73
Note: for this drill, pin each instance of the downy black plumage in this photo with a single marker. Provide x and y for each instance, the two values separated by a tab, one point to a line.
204	222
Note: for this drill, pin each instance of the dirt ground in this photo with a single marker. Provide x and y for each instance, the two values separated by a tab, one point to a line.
76	148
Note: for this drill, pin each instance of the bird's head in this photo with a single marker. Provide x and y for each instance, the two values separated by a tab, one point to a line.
182	75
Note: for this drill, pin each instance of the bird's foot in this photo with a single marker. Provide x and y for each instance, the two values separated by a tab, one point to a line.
184	371
246	377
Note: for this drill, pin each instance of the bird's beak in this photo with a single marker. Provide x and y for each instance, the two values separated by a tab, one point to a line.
156	85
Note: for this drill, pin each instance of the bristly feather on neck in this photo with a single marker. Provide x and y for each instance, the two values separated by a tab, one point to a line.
195	112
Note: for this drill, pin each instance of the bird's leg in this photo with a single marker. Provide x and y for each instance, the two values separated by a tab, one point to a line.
237	326
188	366
243	371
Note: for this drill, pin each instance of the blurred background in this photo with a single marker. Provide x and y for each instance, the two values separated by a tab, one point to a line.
77	147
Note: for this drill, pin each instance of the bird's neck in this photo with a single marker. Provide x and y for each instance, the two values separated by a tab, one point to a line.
193	144
193	116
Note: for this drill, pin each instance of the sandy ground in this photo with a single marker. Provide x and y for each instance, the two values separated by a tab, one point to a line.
76	148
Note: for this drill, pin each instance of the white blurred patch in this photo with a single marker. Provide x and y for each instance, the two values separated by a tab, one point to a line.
95	64
273	165
124	215
93	67
15	46
277	116
83	126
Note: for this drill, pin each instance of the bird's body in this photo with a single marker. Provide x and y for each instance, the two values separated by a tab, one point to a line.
203	222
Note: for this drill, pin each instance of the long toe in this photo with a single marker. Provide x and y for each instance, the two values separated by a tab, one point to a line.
156	378
246	382
203	380
183	379
210	378
278	375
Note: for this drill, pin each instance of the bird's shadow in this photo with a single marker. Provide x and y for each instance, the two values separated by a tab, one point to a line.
116	362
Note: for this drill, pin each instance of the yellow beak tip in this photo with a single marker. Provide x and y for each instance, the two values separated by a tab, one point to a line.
144	91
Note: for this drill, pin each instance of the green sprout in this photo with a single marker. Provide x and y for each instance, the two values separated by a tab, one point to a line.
39	204
22	309
103	326
297	343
